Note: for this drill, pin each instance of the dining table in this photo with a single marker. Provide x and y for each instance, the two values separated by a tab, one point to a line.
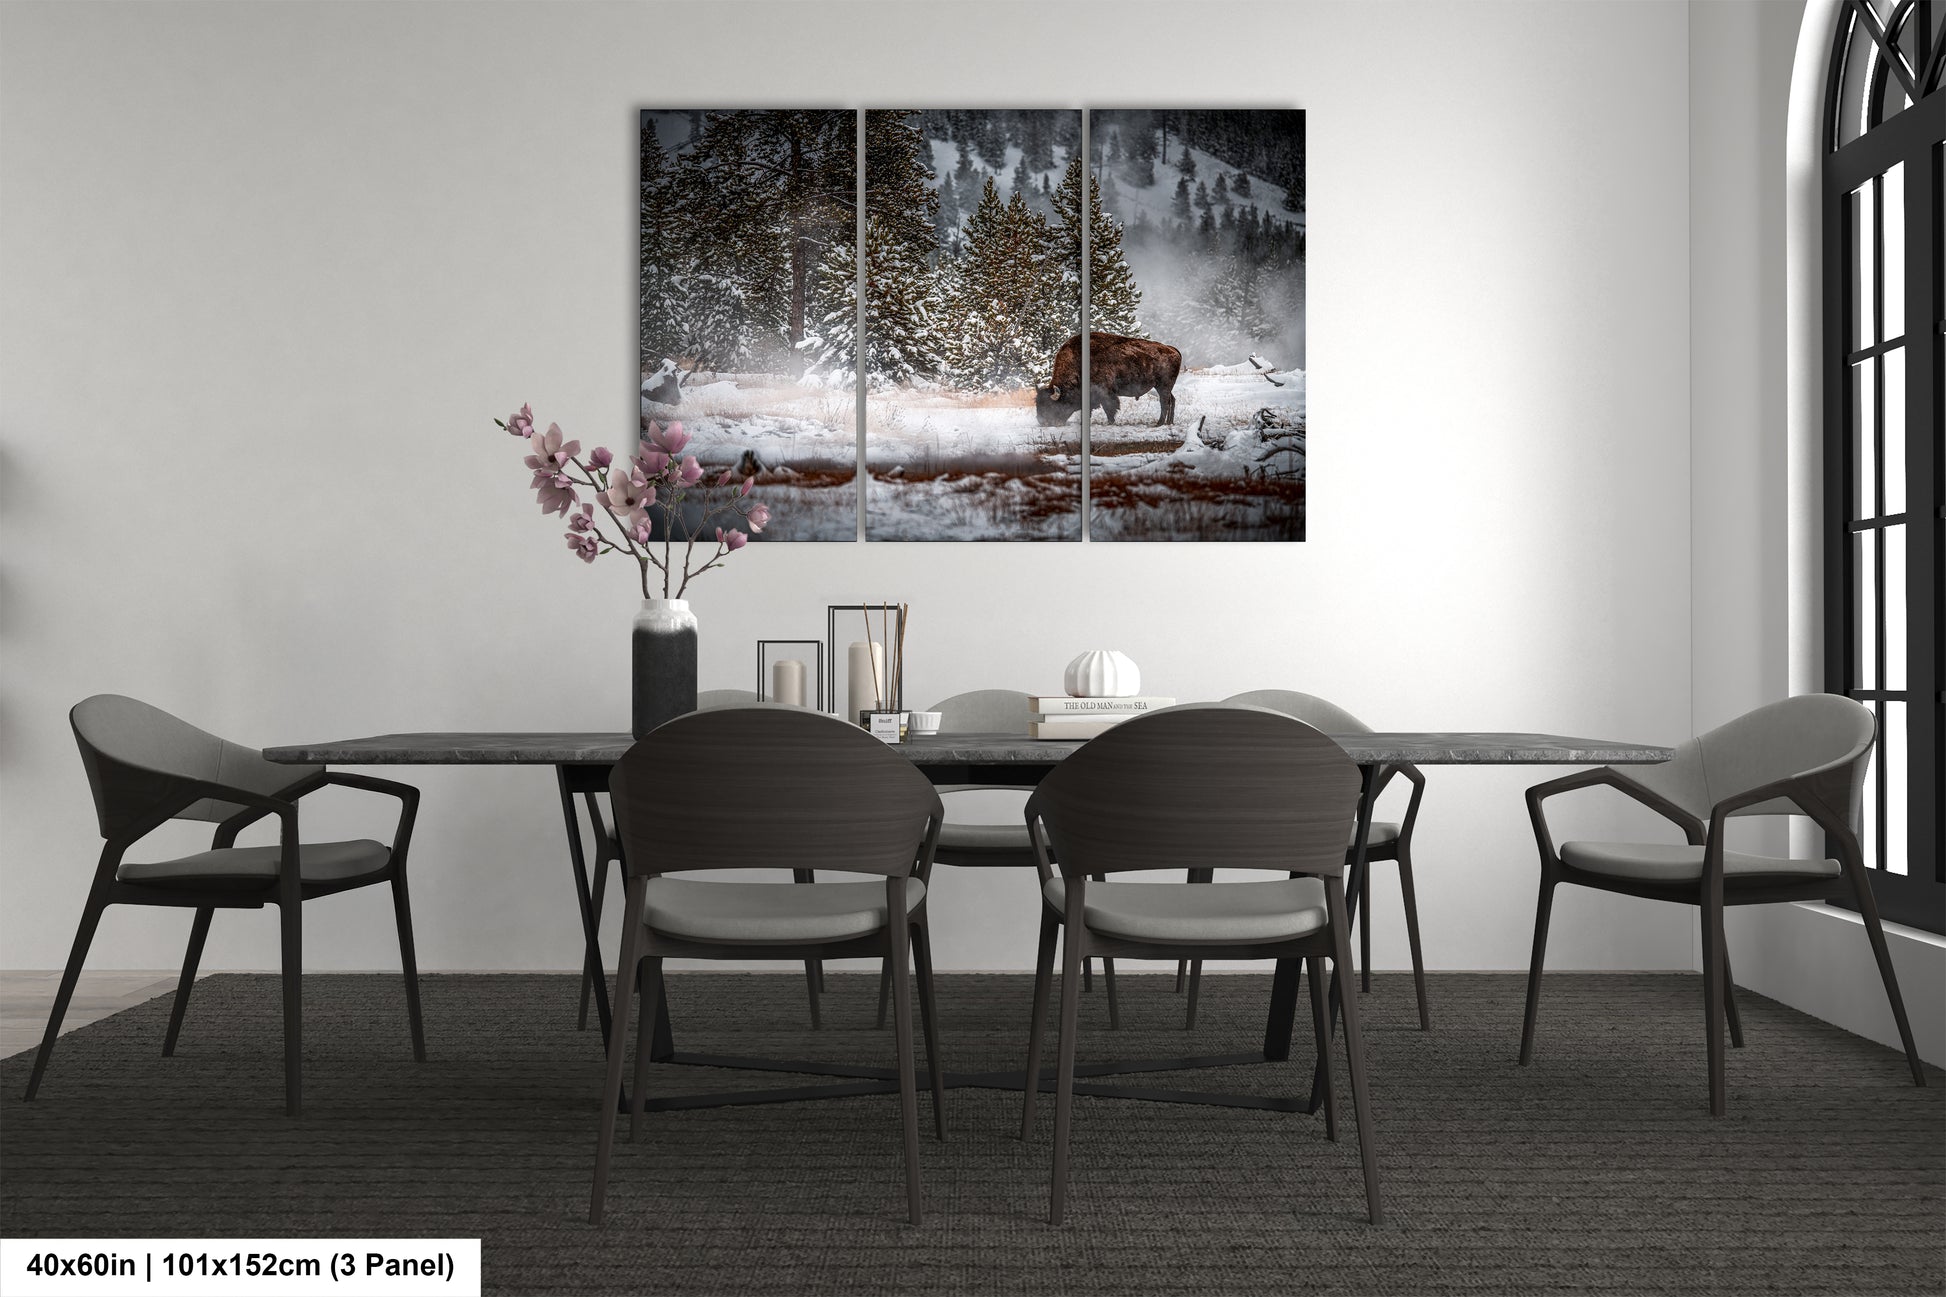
582	762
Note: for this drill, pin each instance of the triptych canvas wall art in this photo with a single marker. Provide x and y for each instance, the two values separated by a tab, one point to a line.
988	238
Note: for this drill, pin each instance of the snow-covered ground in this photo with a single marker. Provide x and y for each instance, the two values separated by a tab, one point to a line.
802	440
949	465
1232	467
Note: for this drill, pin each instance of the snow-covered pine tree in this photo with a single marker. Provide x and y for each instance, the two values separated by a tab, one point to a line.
1111	195
990	140
830	345
1241	185
1112	294
964	175
1022	181
1202	198
661	319
997	318
1037	140
948	223
1180	207
1220	191
1186	164
1115	155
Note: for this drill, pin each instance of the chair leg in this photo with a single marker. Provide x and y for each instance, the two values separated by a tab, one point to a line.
898	937
1361	1106
813	968
1730	1001
1868	911
1193	966
1321	1025
929	1023
1182	974
1114	1006
884	989
1043	980
1087	977
409	961
291	919
1543	908
1412	934
649	973
1713	996
1071	961
1365	927
611	1094
198	933
78	955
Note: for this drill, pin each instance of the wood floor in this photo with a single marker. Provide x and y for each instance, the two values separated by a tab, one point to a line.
26	998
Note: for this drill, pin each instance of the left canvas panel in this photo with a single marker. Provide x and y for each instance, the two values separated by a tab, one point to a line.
749	226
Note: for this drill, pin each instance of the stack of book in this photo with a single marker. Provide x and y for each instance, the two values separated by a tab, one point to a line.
1083	718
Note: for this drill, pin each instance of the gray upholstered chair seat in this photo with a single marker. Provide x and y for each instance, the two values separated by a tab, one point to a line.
1199	912
775	913
1657	862
983	837
317	862
1383	833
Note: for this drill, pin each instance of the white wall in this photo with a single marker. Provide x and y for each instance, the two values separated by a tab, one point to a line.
270	271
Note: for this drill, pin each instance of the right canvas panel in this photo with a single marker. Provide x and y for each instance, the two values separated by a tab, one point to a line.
1196	307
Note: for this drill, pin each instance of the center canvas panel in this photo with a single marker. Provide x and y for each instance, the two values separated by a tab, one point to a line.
749	221
1196	312
972	287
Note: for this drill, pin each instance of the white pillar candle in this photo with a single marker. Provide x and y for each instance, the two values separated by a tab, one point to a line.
787	682
867	674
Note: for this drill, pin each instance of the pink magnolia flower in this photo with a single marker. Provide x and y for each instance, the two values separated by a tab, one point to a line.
584	544
521	422
691	472
583	519
601	456
552	450
629	496
642	530
748	482
723	478
758	517
555	492
652	462
731	539
670	440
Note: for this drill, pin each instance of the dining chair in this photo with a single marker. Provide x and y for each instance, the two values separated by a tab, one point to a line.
1238	788
992	846
146	767
1803	756
607	851
1386	841
772	788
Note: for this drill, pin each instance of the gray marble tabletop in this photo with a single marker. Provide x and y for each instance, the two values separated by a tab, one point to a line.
551	749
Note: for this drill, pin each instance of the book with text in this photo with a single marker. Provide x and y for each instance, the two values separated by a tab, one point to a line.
1075	727
1061	705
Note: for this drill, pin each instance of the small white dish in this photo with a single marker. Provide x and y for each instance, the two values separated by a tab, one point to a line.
925	723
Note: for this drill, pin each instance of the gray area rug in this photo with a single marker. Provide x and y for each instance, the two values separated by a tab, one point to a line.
1596	1170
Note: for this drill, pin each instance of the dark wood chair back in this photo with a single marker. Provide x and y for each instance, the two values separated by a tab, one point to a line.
1205	785
771	788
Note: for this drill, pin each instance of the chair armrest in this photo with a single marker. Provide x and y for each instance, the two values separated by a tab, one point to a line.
1609	777
1413	776
1037	838
1805	790
408	805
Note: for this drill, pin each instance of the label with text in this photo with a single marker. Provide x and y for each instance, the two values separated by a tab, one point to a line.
285	1267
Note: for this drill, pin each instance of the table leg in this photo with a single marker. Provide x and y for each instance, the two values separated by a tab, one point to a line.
1354	881
590	932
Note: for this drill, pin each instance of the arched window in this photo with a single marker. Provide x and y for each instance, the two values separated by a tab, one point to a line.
1884	206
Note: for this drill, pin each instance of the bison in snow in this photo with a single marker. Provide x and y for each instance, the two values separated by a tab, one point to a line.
1118	367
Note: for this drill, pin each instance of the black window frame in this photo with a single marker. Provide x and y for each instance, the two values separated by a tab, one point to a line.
1879	63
